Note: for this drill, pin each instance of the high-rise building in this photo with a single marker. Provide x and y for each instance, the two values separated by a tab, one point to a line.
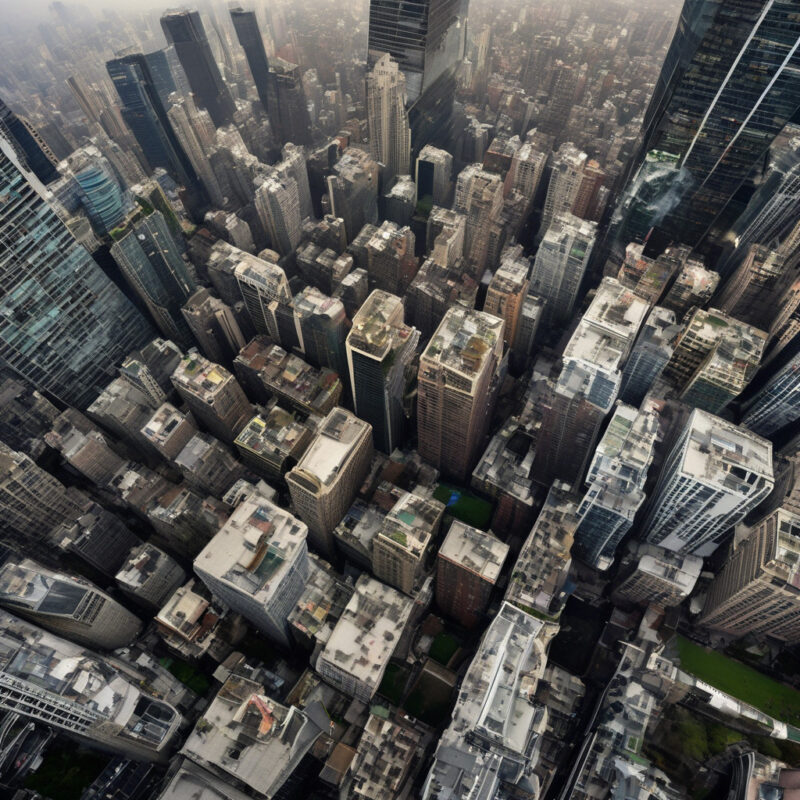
507	290
434	175
588	383
401	547
427	41
149	576
274	442
185	32
31	150
459	373
756	592
208	465
214	326
146	116
694	286
391	263
714	475
288	109
278	205
327	477
249	35
566	178
526	172
467	567
652	576
152	264
320	323
725	91
777	403
353	190
380	348
64	326
615	484
479	196
257	564
48	680
213	395
67	606
101	195
263	286
651	353
560	265
387	118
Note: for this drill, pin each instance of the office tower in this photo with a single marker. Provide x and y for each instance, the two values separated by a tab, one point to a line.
100	193
479	196
427	42
725	91
435	288
31	150
434	175
757	287
478	749
214	326
287	109
387	118
185	32
263	286
715	357
273	442
213	395
97	538
380	349
146	116
652	576
467	567
560	265
149	369
162	75
444	235
358	651
249	35
589	200
327	477
538	581
459	372
63	325
507	291
278	205
615	484
265	370
401	548
391	263
714	475
321	324
400	202
694	286
257	564
651	353
777	403
756	592
51	681
526	172
352	291
150	576
566	178
151	263
353	190
65	605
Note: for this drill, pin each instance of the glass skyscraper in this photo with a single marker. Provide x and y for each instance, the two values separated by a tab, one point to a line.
427	40
32	150
64	326
728	86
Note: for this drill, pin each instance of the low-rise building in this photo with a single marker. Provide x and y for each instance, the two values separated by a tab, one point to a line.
169	430
274	442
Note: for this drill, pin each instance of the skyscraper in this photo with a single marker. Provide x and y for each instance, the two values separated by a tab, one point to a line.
459	372
105	201
387	118
715	474
249	35
288	112
184	30
727	88
380	348
427	41
31	150
278	204
63	325
145	115
353	190
777	403
152	264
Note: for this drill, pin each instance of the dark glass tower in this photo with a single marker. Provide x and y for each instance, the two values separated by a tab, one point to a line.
184	30
728	86
162	75
29	149
249	35
427	40
63	325
145	115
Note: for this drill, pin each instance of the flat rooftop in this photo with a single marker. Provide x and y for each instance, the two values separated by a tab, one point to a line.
378	326
479	552
464	340
200	376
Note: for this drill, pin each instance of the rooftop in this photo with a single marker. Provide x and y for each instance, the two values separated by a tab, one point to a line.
200	376
464	339
411	522
378	326
479	552
28	585
143	562
278	432
163	423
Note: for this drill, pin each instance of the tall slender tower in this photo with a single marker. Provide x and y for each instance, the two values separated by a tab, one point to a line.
247	32
427	41
63	325
30	148
184	30
387	118
727	88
